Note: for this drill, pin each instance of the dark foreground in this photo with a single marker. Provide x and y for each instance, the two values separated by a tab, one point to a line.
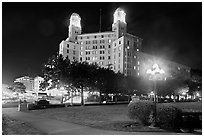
110	118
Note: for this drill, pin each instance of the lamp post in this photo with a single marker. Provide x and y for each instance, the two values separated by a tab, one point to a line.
154	72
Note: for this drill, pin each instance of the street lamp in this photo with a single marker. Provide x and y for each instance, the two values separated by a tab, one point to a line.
154	72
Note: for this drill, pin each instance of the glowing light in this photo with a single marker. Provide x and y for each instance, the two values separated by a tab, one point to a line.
137	49
75	20
119	15
197	94
128	47
183	93
155	70
152	93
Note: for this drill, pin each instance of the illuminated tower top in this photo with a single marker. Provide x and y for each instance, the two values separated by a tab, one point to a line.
75	20
119	14
74	27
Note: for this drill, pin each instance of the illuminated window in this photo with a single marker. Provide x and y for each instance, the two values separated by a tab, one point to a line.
138	73
128	47
119	48
134	67
80	53
81	43
137	49
81	48
109	41
138	63
135	57
179	68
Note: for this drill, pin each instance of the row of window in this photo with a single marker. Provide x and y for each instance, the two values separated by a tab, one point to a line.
95	58
96	36
95	42
95	52
119	49
96	47
114	56
74	52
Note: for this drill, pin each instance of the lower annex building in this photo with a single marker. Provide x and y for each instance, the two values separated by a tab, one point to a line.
116	49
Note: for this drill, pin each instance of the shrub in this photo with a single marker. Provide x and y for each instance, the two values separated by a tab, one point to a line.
141	111
169	117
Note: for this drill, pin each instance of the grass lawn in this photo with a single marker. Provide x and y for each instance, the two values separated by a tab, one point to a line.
16	127
110	117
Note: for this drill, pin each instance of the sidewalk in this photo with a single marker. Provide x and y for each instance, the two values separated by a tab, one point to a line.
57	127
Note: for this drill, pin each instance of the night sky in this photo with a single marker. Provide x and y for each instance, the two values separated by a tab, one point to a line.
31	32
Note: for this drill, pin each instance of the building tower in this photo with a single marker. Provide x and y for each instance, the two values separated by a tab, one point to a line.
119	25
74	27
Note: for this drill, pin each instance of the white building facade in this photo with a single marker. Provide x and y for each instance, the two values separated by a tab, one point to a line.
37	81
116	49
27	81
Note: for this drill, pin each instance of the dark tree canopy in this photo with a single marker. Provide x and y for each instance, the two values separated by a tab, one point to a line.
18	87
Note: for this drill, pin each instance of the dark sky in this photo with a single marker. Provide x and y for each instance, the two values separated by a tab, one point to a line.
32	31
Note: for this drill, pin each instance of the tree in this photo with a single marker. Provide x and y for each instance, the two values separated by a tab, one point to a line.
81	75
56	72
103	78
193	86
18	87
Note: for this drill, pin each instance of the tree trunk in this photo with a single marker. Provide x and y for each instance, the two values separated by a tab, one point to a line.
116	99
100	97
71	98
82	96
107	98
128	98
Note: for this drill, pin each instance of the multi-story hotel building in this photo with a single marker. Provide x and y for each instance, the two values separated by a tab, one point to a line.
27	81
116	49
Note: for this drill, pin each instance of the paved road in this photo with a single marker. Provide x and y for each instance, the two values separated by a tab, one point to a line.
57	127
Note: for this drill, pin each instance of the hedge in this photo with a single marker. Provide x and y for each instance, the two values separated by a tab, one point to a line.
140	111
